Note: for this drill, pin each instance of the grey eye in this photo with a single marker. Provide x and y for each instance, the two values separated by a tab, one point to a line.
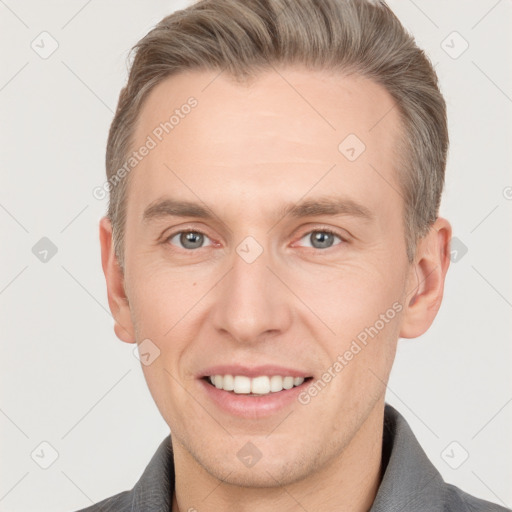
321	239
190	239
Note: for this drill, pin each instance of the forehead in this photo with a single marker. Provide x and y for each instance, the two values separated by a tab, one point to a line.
281	134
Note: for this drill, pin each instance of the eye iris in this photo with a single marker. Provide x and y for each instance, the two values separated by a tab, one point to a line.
322	239
191	240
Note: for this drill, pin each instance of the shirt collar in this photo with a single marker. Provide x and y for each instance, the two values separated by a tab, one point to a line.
410	481
154	490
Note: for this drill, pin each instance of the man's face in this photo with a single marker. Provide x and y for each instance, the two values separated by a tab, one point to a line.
253	291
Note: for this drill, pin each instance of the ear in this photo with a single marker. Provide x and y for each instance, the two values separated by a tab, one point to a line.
425	283
117	299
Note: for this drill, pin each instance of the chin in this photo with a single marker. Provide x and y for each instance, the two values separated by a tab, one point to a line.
270	465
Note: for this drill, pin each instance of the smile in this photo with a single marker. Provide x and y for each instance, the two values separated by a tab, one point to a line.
257	386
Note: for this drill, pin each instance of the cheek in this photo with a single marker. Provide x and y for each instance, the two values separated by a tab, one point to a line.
166	391
351	298
363	307
161	298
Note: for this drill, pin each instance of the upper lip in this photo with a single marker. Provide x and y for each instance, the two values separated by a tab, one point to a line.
252	371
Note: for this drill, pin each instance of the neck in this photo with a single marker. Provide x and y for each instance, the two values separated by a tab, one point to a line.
348	482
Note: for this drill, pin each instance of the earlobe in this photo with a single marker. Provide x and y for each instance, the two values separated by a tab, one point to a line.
426	280
117	299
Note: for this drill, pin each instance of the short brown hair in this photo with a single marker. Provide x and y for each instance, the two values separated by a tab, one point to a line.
244	37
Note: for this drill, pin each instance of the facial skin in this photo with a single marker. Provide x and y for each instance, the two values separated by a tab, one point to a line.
244	153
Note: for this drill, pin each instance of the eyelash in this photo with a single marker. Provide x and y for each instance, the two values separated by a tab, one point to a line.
316	230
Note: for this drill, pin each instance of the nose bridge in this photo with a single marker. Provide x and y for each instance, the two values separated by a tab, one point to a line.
251	300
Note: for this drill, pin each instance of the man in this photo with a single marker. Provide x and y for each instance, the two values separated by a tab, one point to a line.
275	170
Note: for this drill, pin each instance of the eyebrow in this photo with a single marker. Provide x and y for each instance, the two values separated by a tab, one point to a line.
325	205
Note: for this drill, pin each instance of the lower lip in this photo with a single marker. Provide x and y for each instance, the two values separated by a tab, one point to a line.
252	406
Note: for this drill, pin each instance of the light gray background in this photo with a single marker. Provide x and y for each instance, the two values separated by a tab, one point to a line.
65	377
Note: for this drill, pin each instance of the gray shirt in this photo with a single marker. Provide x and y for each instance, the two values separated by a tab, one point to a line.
410	482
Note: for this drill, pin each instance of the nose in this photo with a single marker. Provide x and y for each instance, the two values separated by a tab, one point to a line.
252	303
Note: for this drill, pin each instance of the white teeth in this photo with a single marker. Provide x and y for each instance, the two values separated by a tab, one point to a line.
242	384
217	381
261	385
276	383
228	383
288	383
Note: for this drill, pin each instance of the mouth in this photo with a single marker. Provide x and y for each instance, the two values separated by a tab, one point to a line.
261	385
253	392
